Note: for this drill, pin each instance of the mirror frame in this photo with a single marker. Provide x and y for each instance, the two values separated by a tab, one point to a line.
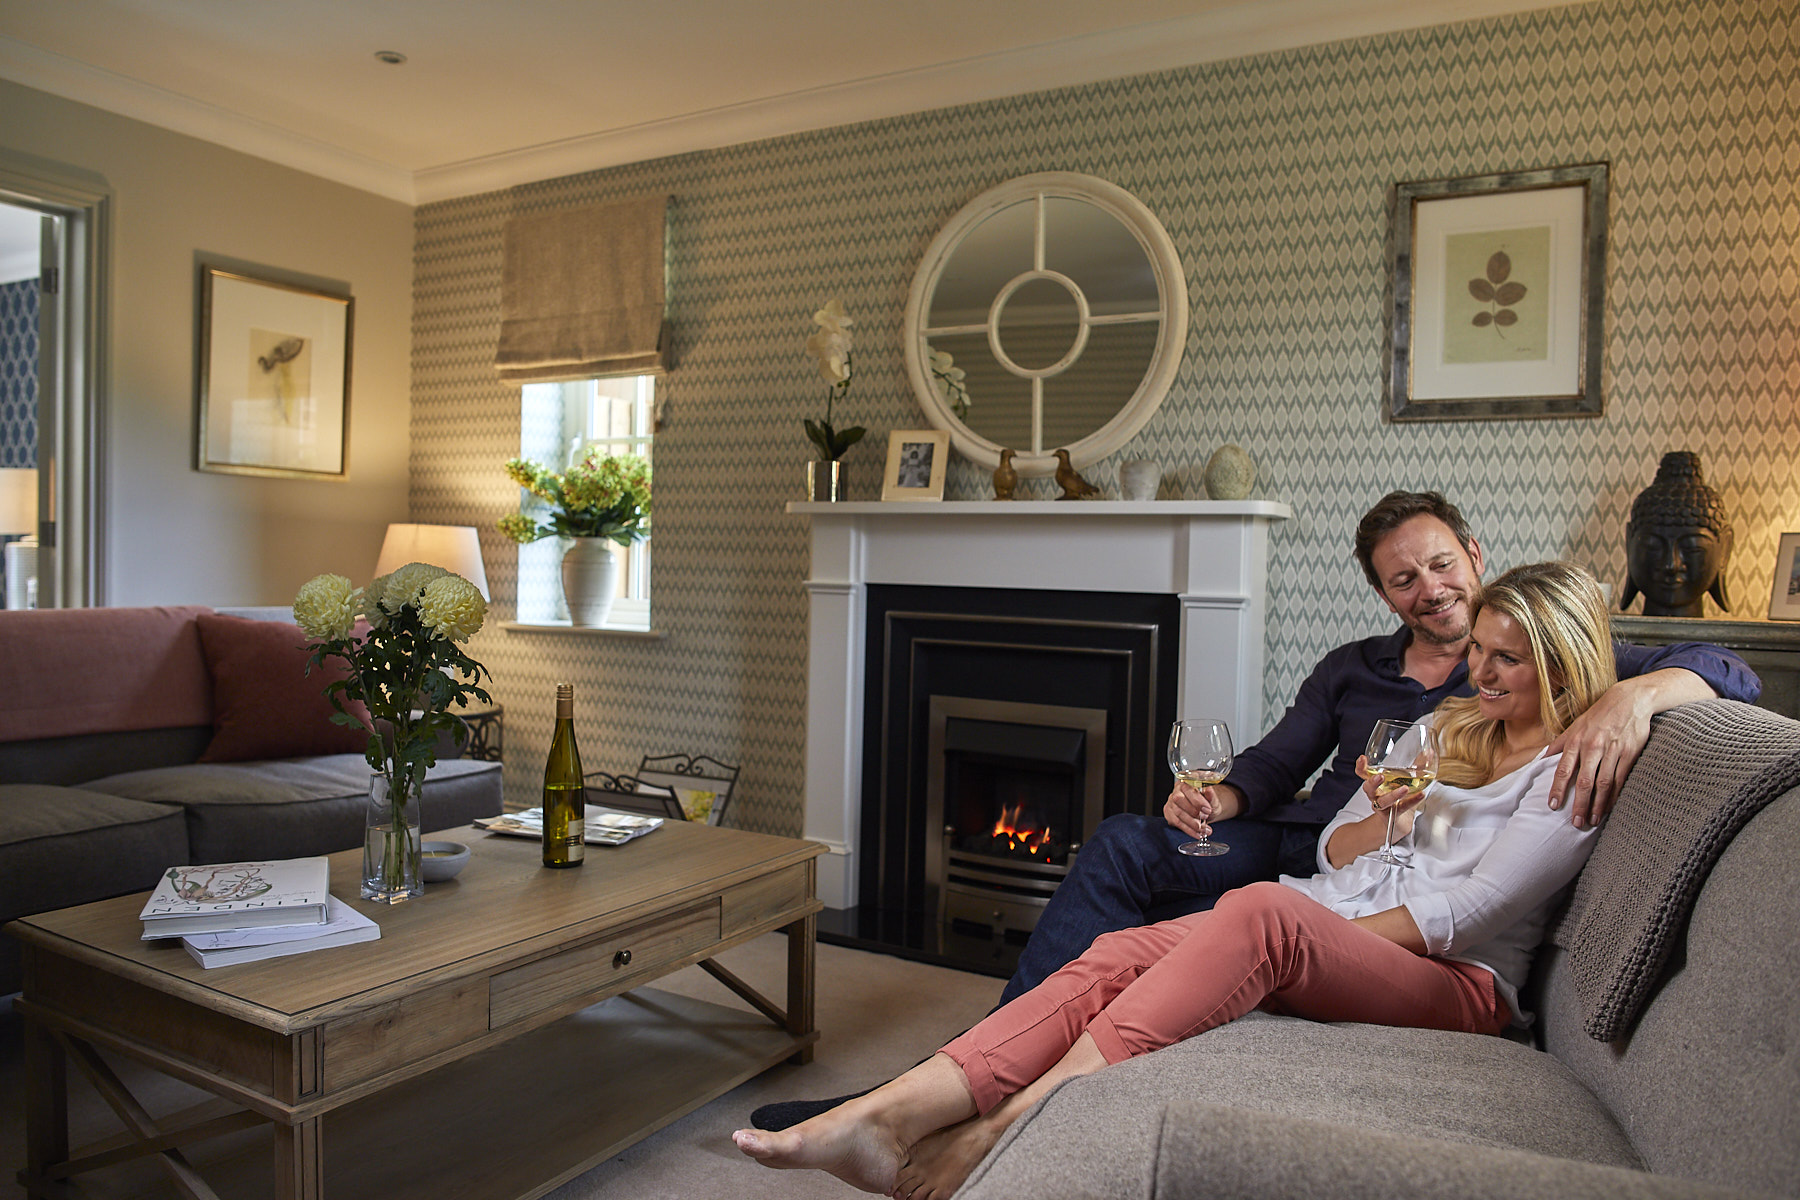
1165	359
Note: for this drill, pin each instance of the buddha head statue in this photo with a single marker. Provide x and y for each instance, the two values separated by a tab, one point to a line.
1677	542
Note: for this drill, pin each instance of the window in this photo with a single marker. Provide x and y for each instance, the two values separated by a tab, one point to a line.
557	422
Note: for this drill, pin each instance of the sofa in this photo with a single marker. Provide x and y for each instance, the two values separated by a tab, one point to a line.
1664	1060
135	739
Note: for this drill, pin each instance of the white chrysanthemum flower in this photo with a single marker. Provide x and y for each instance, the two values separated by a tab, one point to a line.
403	586
451	607
325	608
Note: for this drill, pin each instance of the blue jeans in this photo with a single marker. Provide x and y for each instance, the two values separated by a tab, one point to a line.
1129	873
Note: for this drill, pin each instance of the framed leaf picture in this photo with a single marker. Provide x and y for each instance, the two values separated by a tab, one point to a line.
1499	296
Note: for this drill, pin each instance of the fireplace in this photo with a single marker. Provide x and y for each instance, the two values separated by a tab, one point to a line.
1016	788
1137	611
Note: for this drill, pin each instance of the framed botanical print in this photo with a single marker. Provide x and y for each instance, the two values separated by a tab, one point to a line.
274	395
1499	296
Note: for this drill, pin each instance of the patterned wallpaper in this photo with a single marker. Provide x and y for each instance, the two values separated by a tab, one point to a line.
18	373
1273	175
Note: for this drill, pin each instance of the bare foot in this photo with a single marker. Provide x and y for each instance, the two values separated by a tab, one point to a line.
940	1162
860	1153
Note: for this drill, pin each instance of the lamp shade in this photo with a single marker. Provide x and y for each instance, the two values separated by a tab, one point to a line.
18	500
452	547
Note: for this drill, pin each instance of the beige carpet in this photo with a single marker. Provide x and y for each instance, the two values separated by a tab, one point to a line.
877	1015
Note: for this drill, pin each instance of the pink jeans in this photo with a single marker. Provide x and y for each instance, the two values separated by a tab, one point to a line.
1265	946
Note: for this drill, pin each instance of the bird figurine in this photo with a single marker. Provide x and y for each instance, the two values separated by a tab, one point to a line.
1074	487
1005	478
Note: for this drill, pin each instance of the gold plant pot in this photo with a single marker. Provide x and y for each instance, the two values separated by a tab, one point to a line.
824	480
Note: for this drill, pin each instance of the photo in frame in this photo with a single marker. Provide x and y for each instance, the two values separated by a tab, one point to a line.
274	394
1499	296
1784	593
917	462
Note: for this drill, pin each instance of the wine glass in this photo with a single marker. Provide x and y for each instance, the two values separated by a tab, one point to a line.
1200	755
1405	753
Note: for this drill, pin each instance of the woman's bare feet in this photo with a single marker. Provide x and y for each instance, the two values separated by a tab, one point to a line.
941	1162
860	1152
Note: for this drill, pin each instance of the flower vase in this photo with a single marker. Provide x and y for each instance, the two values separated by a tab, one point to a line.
390	870
825	480
590	576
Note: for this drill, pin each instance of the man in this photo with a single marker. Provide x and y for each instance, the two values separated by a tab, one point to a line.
1418	553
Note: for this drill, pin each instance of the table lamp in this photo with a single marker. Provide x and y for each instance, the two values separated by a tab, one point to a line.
452	547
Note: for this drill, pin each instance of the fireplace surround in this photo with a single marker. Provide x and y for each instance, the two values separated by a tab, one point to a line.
1185	580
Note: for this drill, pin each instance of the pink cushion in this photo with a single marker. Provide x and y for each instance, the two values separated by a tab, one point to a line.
265	705
100	670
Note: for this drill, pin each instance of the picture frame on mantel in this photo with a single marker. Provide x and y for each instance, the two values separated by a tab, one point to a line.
274	389
918	460
1499	296
1784	593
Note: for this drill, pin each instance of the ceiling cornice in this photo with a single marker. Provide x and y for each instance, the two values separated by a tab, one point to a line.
77	81
1252	27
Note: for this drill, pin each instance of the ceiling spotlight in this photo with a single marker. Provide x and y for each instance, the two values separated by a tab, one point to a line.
392	58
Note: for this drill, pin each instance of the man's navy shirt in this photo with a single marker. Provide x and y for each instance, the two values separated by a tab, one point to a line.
1360	683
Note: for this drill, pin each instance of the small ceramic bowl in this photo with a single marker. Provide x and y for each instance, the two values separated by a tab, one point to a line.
439	861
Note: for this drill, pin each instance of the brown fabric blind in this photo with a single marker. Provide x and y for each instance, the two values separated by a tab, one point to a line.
581	292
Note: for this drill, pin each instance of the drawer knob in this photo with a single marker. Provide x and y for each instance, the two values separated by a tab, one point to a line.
622	959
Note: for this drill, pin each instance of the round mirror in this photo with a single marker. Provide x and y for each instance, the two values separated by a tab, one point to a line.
1049	313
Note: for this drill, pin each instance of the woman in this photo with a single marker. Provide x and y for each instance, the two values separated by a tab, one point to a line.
1443	944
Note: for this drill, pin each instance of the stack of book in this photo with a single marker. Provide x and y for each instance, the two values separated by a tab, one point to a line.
601	827
227	913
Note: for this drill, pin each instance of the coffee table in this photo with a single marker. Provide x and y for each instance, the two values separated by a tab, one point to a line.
495	1042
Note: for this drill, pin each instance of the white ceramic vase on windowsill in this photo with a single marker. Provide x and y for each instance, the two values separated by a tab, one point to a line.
590	575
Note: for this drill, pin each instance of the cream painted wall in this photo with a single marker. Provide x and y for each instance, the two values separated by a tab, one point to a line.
172	534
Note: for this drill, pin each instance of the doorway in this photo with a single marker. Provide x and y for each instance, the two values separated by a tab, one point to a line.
52	258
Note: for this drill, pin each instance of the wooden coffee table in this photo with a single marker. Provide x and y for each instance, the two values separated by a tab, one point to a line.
490	1044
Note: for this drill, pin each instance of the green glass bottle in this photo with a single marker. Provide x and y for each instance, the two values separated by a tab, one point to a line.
565	799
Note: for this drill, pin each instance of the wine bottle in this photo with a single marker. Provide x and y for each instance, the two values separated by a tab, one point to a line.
565	799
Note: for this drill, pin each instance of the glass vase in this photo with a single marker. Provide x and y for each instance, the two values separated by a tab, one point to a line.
390	872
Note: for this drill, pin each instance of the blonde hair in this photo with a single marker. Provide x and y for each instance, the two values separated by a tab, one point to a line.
1563	616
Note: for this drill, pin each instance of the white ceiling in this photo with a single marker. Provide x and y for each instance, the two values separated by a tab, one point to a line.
499	93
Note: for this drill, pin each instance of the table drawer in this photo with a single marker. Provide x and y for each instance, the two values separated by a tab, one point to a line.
613	962
767	897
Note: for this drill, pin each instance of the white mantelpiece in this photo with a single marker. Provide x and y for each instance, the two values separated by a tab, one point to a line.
1211	554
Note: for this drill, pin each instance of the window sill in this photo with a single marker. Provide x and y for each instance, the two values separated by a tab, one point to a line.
655	635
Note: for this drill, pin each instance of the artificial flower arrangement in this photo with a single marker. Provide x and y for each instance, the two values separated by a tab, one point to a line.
598	496
830	347
950	384
405	669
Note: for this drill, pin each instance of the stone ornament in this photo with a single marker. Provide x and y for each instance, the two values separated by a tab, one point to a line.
1229	474
1677	542
1139	478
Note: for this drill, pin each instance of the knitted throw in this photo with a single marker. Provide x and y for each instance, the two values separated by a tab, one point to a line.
1708	768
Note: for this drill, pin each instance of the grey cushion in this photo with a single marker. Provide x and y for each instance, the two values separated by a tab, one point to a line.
69	761
291	808
62	846
1099	1135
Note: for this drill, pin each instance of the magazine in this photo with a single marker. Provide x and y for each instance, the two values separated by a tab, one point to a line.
343	927
218	897
604	826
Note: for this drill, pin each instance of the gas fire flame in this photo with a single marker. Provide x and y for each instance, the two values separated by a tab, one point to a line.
1009	826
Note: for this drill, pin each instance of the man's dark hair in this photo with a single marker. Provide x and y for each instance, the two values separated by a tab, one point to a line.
1394	510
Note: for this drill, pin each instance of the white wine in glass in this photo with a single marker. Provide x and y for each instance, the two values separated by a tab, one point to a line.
1200	756
1401	753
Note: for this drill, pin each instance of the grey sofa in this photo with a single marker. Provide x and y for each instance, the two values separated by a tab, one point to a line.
1668	1019
105	715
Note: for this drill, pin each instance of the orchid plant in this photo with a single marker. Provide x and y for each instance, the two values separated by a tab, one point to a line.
950	384
830	346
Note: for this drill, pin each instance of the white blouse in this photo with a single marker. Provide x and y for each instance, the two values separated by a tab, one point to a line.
1486	866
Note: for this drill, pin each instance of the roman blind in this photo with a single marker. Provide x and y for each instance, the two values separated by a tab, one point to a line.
581	292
